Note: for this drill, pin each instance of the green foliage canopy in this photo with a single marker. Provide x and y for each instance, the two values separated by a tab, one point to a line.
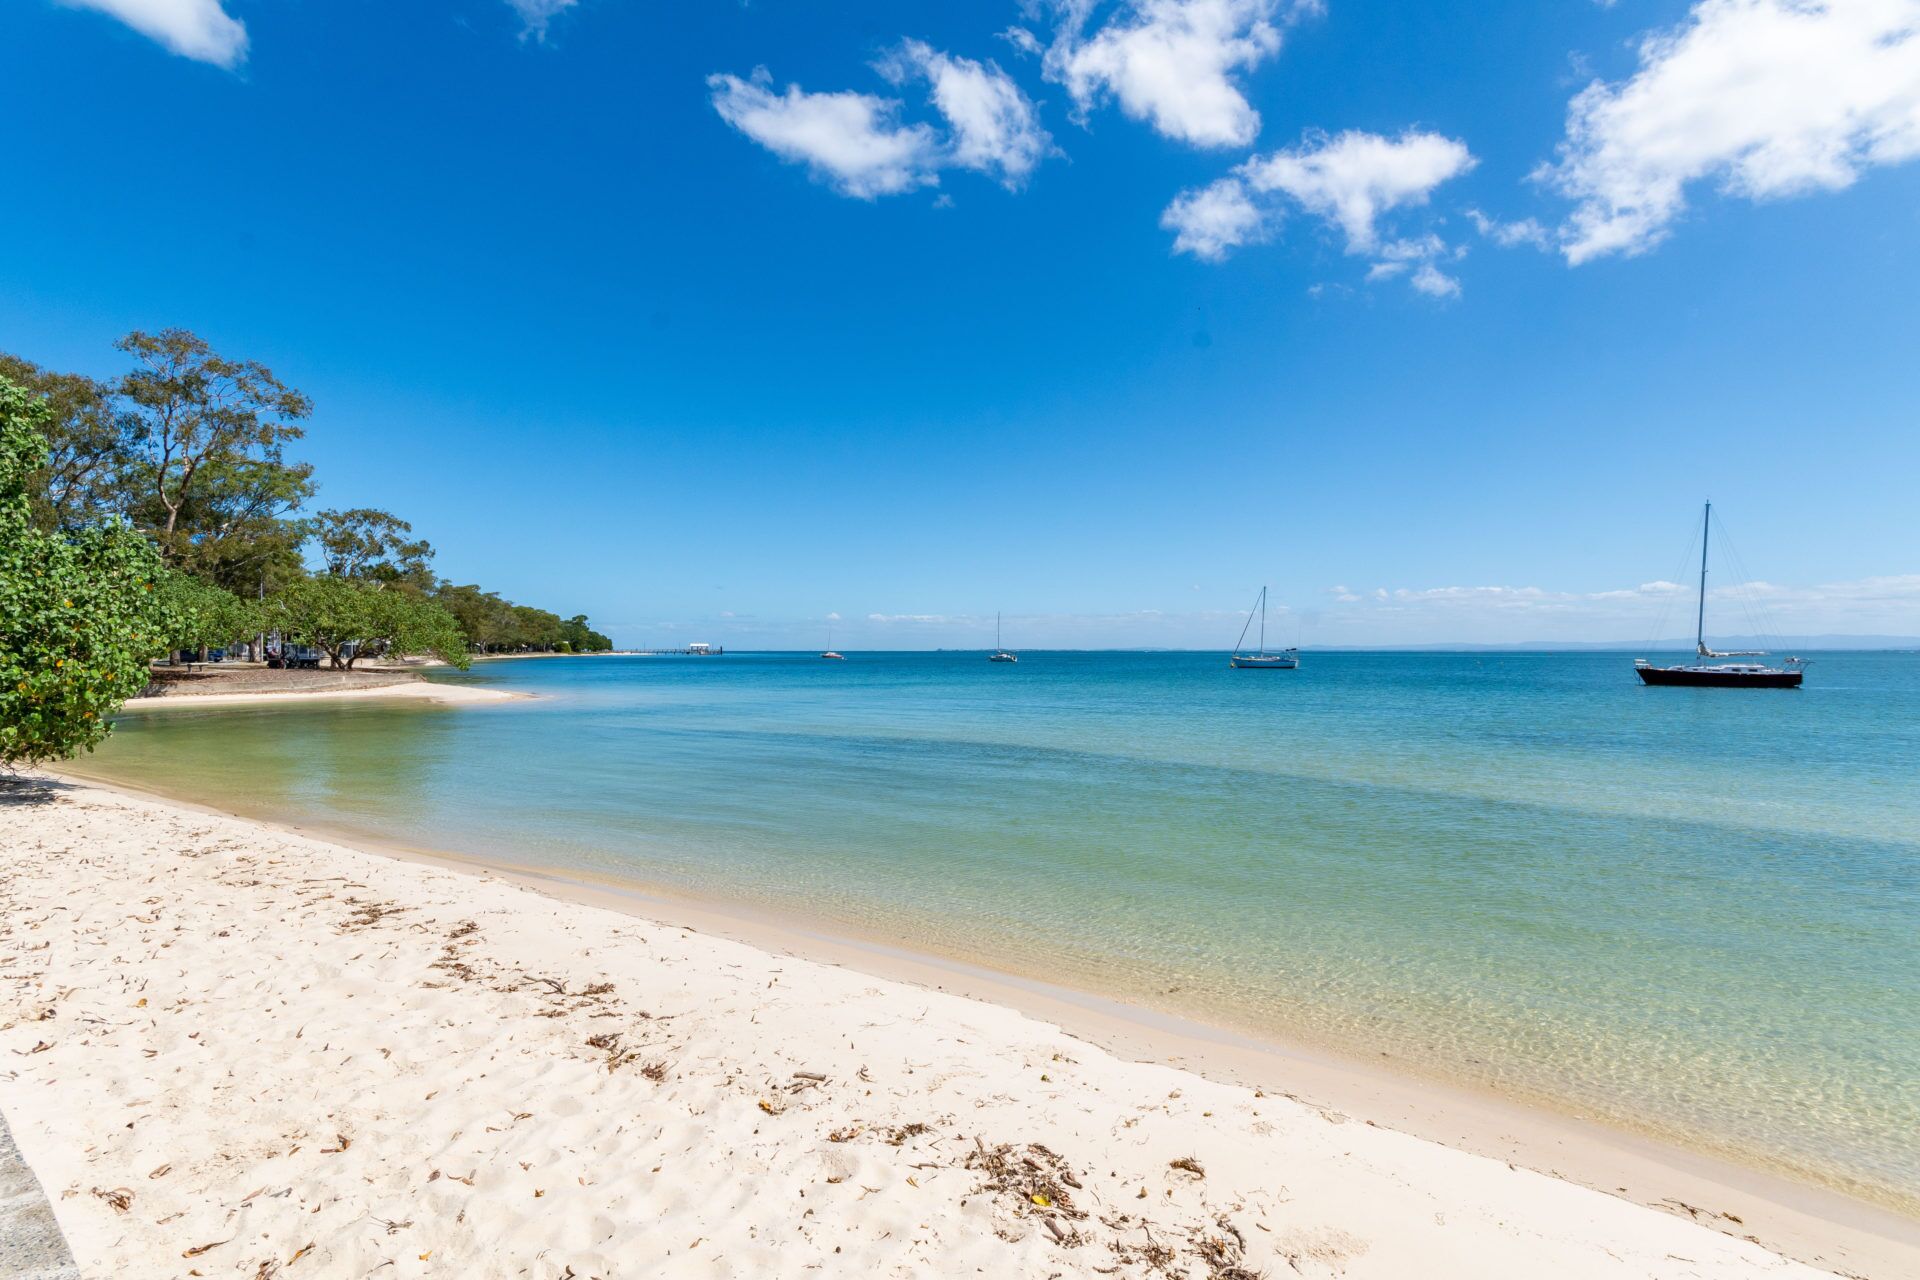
79	614
207	473
372	544
88	447
190	447
331	613
200	614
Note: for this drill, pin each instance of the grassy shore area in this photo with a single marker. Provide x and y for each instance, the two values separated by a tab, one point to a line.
255	1049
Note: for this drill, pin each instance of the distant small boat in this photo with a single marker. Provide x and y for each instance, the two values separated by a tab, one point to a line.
999	652
1726	675
1260	659
837	657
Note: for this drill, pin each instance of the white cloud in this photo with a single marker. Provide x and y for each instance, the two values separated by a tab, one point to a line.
852	141
1352	181
538	13
1354	178
1023	40
995	127
1172	63
1434	282
1770	98
1508	235
857	142
1215	219
197	29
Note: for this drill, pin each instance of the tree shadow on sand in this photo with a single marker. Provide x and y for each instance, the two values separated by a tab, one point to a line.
22	790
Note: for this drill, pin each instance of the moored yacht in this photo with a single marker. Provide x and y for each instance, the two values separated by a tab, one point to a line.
999	653
1725	675
1260	659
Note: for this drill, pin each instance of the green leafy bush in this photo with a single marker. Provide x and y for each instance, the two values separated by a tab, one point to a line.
80	616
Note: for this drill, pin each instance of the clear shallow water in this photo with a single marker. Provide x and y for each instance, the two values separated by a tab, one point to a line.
1693	912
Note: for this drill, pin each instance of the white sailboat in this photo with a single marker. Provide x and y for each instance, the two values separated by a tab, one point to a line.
838	657
1260	659
1000	653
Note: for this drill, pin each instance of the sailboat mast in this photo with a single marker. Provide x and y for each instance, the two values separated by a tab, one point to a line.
1700	621
1263	619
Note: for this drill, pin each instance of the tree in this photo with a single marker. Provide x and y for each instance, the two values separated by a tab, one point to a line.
332	613
208	436
486	619
88	447
201	615
536	628
365	543
79	615
579	638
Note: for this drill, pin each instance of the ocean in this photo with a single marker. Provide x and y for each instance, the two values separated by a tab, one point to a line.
1691	913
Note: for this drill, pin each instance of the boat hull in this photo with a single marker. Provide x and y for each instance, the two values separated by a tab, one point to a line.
1707	679
1264	664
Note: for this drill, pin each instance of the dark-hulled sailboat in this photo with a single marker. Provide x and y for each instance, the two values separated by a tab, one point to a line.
1260	659
1726	675
1000	652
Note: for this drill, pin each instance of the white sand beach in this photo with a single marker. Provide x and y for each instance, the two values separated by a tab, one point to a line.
423	690
231	1050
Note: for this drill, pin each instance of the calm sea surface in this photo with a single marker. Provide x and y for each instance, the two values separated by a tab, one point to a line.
1695	912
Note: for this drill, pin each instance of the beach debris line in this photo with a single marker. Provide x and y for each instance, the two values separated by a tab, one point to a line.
1033	1177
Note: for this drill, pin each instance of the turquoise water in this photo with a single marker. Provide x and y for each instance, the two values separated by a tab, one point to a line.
1692	912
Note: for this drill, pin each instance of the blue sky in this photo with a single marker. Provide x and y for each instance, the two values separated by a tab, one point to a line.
716	320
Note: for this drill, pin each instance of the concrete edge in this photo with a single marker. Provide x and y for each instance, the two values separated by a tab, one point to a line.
31	1244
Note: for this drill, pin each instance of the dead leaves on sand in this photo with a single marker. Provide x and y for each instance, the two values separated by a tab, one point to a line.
120	1199
365	915
1033	1177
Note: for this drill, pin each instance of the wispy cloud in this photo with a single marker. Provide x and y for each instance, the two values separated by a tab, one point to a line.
995	128
1351	181
1509	235
1360	616
537	14
197	29
860	145
1172	63
1353	178
1767	98
854	142
1888	605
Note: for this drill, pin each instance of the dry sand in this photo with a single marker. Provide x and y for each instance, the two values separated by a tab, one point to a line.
429	690
230	1050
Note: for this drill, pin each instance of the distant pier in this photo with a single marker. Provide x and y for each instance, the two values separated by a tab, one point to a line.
691	651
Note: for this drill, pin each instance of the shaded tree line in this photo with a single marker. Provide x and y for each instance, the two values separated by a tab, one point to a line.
161	511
